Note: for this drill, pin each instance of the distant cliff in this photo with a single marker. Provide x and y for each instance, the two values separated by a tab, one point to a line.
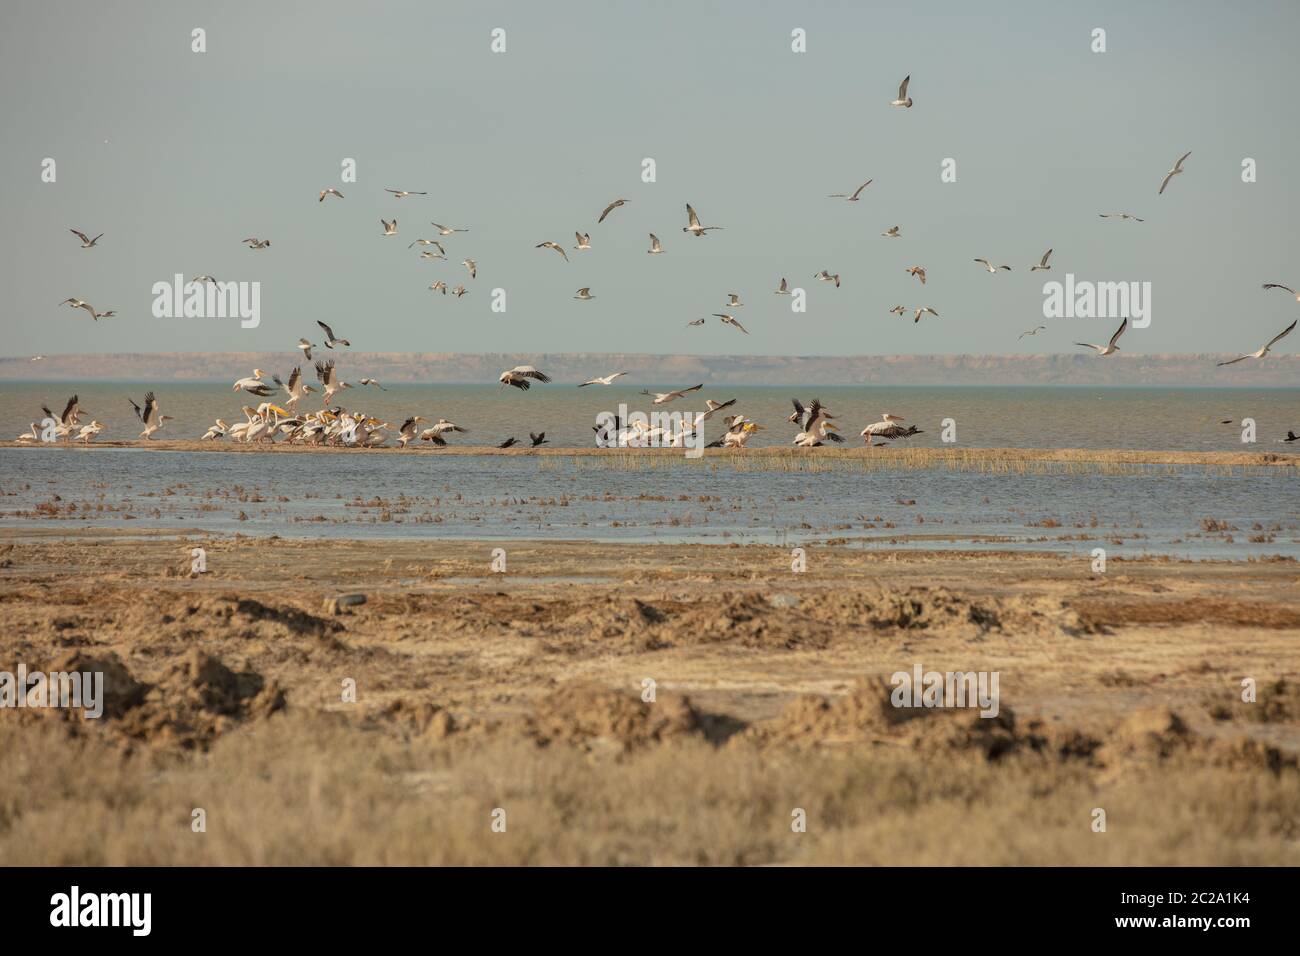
447	367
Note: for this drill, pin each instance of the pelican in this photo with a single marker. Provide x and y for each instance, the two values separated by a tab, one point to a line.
88	432
472	266
733	301
33	435
538	439
390	228
1275	285
330	340
217	430
1264	351
825	276
853	196
892	233
610	208
903	100
374	382
655	248
713	406
991	268
149	416
731	320
1110	347
917	271
1034	331
603	380
1119	215
1178	168
403	193
435	432
584	240
662	398
738	433
429	242
694	227
584	293
255	243
814	426
409	430
553	245
888	428
305	347
86	242
1042	263
446	230
294	388
325	372
519	376
783	288
68	420
255	385
329	191
921	311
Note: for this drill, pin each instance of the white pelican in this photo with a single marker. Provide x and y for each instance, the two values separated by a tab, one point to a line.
584	240
390	228
661	398
655	248
217	430
1119	215
1264	351
538	439
693	226
1178	168
1034	331
254	385
739	433
86	242
1110	347
815	427
892	233
713	407
610	208
374	382
553	245
305	348
853	196
435	432
889	429
519	376
603	380
88	432
294	388
903	100
330	339
325	372
917	271
825	276
409	430
472	266
254	243
68	420
403	193
991	268
921	311
446	230
584	293
1042	264
33	434
1275	285
731	320
149	416
783	288
330	191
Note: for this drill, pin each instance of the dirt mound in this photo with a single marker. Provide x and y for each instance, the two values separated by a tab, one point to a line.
593	716
172	617
417	718
1158	734
1276	702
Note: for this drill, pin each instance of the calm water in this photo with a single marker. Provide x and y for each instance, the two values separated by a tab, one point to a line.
1167	419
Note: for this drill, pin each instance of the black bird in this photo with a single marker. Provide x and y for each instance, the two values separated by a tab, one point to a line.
538	439
1291	436
508	442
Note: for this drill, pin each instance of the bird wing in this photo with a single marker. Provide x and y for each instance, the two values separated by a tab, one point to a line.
606	212
81	234
902	87
1179	165
694	219
1123	327
1046	256
328	331
857	192
1274	285
1233	361
72	403
1281	335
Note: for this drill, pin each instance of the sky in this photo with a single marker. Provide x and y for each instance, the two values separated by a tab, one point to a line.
177	156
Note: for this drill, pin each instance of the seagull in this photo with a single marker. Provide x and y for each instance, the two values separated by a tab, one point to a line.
403	193
553	245
508	442
460	291
892	233
992	268
446	230
898	309
330	339
255	385
1274	285
390	228
584	240
305	347
1034	331
429	242
472	266
149	416
610	208
825	276
519	376
1119	215
330	191
731	320
783	288
854	196
439	286
921	311
696	322
538	439
603	380
255	243
374	382
86	243
584	293
434	255
662	398
903	100
1042	263
715	407
917	271
733	301
694	227
889	428
105	315
1111	347
326	373
203	278
1264	351
655	248
1178	168
81	304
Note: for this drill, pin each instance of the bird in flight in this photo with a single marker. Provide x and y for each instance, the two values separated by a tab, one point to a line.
439	286
331	191
603	380
694	227
892	233
584	293
553	245
696	322
584	240
446	230
255	243
662	398
903	100
853	196
538	439
1120	215
921	311
783	288
306	348
731	320
655	248
330	339
1110	347
1275	285
825	276
86	242
610	208
1263	351
733	300
1178	168
1034	331
472	266
508	443
430	242
992	268
80	304
390	228
374	382
519	376
1042	263
917	271
403	193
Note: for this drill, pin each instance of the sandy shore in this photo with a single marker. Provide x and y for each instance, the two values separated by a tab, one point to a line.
522	692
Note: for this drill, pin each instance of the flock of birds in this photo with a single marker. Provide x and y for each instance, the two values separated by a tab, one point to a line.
334	424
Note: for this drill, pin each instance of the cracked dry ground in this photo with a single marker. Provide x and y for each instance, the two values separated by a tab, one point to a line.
475	691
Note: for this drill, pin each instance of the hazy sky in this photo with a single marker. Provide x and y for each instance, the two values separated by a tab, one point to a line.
177	156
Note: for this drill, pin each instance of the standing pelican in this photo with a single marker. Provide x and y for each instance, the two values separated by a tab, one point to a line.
1110	348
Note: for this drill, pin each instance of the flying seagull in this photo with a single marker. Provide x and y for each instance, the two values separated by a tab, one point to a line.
1042	263
603	380
898	309
783	288
306	348
921	311
331	191
825	276
1264	351
662	398
1274	285
446	230
917	271
254	243
1110	347
390	228
429	242
330	339
696	322
584	293
903	100
1178	168
403	193
1120	215
472	266
853	196
731	320
694	227
655	248
892	233
584	240
1034	331
733	300
553	245
374	382
992	268
460	291
439	286
86	242
610	208
80	304
519	376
